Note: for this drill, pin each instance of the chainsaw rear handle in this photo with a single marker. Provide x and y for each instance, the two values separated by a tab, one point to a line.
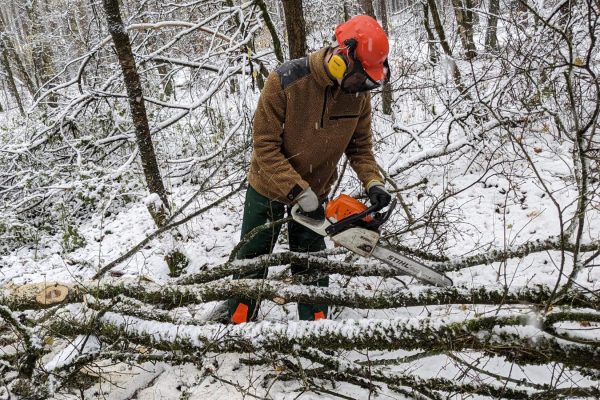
315	225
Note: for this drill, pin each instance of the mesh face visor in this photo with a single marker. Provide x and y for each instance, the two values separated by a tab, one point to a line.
357	79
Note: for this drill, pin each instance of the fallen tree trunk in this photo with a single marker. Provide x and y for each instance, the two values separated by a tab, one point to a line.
325	266
499	336
172	296
426	386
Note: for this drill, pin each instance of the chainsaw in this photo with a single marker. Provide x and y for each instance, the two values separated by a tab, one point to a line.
351	224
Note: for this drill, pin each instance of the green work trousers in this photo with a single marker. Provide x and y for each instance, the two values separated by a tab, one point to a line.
259	210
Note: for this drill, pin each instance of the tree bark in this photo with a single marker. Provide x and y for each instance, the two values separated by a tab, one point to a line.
138	108
463	10
367	7
171	296
491	37
10	48
276	42
9	75
386	94
439	28
345	11
433	51
41	51
295	27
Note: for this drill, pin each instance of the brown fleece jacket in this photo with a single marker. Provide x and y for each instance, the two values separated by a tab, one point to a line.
302	126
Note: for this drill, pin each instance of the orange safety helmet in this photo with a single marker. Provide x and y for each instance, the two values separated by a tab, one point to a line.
372	46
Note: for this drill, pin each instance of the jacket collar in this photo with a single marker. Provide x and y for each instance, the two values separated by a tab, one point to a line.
317	67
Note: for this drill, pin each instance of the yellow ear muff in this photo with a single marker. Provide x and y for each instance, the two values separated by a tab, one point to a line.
337	66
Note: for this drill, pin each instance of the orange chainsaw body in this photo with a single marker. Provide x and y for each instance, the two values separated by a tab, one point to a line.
345	206
351	224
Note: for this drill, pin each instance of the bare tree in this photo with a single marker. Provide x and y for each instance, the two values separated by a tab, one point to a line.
138	110
276	42
439	28
491	36
295	28
16	58
463	11
41	51
498	189
433	51
387	93
367	7
9	75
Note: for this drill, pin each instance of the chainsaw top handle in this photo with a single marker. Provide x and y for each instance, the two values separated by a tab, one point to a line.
378	220
325	227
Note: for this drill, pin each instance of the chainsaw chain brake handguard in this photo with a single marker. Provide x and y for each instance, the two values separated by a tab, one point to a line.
358	219
325	228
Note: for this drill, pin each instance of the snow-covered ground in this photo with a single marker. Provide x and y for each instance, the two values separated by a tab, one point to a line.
487	197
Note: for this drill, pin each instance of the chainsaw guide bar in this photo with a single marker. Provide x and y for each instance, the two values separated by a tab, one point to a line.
357	232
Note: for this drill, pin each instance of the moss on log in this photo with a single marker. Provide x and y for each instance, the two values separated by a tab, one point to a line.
491	335
172	296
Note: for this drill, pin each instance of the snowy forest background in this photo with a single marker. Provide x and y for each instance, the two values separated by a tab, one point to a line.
125	136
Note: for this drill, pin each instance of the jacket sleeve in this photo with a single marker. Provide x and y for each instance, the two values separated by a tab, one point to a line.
269	120
360	149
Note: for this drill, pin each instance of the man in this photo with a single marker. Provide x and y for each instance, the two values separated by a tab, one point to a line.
311	111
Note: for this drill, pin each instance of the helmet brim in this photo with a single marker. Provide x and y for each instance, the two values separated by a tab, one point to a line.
375	72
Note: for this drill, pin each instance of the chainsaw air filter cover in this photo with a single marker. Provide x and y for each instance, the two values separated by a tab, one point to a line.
345	206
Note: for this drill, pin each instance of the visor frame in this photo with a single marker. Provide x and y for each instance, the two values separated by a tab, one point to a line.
362	81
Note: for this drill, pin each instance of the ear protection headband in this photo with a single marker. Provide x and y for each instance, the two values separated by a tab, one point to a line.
338	63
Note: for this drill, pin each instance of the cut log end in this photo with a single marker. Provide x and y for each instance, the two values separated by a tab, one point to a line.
52	294
45	293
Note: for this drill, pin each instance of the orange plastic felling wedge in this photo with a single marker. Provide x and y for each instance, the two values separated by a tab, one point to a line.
319	315
241	314
343	207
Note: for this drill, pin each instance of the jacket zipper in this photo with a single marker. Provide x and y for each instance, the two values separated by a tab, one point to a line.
324	106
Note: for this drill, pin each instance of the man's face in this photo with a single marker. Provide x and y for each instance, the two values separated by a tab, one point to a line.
356	79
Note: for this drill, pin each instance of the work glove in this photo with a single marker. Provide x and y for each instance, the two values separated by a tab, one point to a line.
378	194
307	200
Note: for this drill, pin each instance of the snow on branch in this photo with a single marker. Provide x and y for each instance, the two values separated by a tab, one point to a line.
173	296
518	338
552	243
